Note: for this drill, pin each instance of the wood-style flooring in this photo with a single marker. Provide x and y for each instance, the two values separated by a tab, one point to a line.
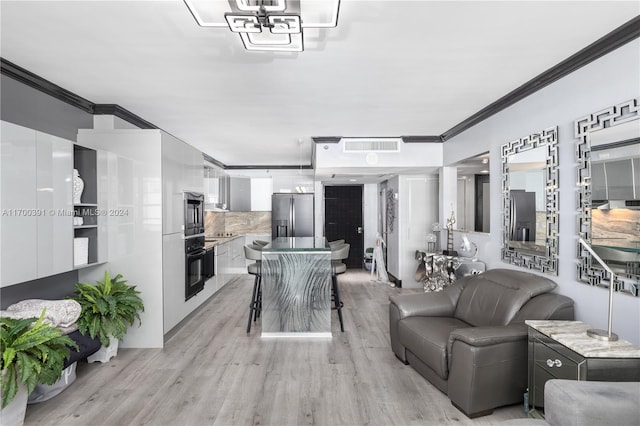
211	372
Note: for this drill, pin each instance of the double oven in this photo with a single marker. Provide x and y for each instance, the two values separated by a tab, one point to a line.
194	244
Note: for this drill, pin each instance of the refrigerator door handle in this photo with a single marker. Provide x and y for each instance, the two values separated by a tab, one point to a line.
293	217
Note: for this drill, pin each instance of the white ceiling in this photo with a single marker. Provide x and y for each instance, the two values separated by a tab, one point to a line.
390	68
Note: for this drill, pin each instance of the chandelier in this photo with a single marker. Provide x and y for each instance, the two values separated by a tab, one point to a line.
271	25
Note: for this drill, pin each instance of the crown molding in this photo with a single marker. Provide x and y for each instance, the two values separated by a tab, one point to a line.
213	161
45	86
326	139
270	167
422	139
606	44
118	111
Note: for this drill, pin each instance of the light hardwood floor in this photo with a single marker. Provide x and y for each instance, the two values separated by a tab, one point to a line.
211	372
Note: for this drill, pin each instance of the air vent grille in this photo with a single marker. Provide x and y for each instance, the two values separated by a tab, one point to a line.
371	145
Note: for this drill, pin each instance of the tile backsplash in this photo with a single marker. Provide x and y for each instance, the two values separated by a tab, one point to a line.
237	223
214	224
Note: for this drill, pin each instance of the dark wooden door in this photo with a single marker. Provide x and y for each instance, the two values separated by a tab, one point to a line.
343	219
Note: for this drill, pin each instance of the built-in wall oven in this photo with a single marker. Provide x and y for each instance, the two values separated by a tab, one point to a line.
194	251
194	265
193	213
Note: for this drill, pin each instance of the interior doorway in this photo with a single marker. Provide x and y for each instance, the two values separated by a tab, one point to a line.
343	219
482	203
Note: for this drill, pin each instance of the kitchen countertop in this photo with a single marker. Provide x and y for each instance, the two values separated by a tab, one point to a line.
296	244
214	241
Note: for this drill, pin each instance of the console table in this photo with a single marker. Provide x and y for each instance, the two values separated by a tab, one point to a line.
562	350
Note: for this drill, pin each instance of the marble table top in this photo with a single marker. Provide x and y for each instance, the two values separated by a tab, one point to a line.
573	335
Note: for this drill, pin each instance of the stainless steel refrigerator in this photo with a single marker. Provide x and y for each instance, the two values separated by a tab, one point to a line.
523	216
292	215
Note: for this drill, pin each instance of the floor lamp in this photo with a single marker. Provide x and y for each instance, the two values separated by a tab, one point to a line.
602	334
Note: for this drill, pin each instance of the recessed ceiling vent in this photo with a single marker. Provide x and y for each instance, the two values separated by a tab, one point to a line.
371	145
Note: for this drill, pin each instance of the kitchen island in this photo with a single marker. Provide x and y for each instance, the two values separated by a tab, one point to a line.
296	288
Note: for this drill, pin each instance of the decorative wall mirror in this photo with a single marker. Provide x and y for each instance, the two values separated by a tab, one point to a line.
608	178
530	201
473	208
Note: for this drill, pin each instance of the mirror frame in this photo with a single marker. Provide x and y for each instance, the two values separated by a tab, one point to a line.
588	271
547	262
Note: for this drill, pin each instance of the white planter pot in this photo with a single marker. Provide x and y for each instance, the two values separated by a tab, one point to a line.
44	392
13	414
104	354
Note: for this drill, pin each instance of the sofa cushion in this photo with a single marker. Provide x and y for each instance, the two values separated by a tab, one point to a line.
427	338
494	297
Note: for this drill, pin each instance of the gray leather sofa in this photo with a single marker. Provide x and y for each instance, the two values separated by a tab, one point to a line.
470	339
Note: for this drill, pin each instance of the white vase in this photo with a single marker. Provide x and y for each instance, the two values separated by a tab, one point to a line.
13	414
104	354
78	187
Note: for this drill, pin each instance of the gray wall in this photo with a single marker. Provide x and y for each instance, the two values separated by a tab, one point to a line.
25	106
28	107
607	81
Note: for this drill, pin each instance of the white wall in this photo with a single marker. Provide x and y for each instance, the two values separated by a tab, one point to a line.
417	211
261	190
608	81
288	183
370	214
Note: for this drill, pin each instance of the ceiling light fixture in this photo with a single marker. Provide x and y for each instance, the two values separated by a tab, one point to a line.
267	25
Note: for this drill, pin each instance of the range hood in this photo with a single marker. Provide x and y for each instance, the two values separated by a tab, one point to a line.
616	204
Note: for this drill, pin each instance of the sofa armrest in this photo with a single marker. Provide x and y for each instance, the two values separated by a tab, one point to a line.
487	367
486	336
437	304
571	402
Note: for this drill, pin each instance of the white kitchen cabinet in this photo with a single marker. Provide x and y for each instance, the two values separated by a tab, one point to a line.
240	194
222	255
193	169
132	205
18	204
54	189
172	185
36	204
229	260
238	264
173	279
182	170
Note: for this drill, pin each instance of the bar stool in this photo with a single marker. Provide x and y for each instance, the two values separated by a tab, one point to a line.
338	253
253	252
260	243
335	243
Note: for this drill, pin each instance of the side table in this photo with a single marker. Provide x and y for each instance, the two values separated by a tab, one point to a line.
562	350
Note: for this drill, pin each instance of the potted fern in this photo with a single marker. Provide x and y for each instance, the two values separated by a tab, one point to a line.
32	352
108	309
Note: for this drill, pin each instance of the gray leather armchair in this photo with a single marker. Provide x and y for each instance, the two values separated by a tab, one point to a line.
470	339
